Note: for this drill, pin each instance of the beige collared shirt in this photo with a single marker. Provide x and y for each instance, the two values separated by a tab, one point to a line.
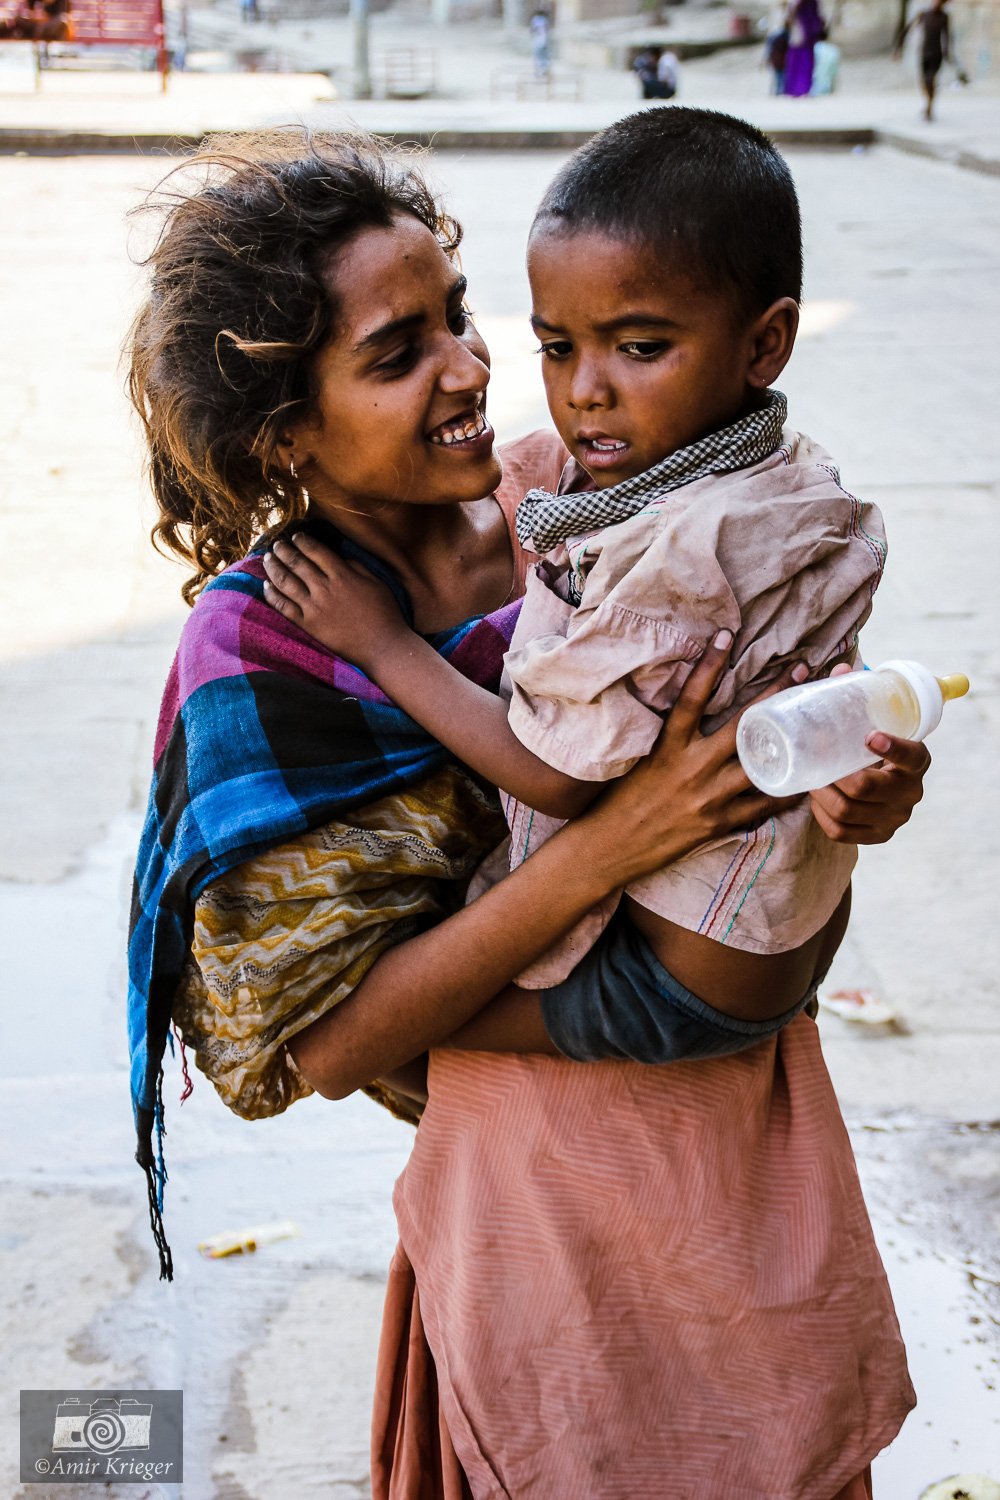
782	555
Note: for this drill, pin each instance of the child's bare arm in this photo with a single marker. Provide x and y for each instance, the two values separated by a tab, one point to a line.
511	1022
472	722
352	613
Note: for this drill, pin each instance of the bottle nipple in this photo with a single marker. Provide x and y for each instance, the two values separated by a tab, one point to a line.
954	686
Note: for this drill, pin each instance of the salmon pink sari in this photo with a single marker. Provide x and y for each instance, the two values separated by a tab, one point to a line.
617	1281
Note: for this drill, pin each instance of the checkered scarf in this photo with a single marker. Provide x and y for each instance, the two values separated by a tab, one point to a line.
544	519
263	734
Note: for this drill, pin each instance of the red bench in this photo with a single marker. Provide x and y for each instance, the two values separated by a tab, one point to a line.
88	23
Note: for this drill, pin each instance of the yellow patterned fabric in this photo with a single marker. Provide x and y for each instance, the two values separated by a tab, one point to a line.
283	938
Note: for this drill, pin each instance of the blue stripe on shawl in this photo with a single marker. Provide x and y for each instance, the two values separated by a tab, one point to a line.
265	747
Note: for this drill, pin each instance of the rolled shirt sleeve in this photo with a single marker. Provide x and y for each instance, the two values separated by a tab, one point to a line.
589	685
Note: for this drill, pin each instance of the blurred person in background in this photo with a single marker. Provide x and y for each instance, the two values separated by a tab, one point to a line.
539	26
806	27
935	47
776	54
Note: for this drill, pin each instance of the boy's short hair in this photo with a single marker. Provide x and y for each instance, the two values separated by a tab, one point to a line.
708	191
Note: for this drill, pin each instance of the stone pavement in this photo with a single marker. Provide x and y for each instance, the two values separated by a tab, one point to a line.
895	373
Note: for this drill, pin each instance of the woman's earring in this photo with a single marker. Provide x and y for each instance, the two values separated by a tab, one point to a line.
291	468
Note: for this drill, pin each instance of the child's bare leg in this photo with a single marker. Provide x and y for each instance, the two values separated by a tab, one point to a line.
409	1080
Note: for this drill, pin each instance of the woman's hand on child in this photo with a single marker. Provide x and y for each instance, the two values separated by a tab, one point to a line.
338	602
690	788
870	806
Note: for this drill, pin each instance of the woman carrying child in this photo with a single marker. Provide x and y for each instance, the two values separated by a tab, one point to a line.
612	1278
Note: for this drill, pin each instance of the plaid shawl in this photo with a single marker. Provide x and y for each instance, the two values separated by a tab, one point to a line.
263	734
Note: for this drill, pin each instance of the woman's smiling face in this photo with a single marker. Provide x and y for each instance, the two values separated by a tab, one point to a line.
399	415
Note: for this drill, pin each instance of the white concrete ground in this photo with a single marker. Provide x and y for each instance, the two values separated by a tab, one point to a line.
895	372
472	64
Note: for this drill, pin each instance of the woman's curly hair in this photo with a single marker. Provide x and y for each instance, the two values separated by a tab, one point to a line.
221	353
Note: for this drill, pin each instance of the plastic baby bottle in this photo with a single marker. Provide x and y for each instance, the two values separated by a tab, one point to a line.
809	736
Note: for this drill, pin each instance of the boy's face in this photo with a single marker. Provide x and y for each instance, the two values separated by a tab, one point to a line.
637	360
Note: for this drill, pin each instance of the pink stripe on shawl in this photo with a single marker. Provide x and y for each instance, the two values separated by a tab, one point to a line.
210	646
170	707
474	648
230	633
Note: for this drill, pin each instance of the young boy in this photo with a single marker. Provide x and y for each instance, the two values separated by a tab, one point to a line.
665	264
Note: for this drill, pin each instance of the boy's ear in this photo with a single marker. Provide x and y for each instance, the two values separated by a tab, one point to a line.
772	341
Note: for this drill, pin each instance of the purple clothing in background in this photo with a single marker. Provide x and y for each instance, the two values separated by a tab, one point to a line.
806	28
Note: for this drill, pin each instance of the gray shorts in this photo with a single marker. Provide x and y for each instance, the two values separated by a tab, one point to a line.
620	1002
